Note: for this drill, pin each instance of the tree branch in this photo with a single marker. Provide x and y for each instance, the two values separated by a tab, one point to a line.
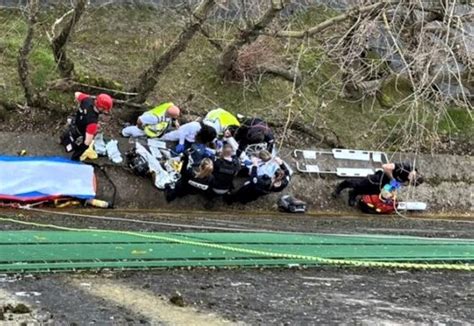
68	85
291	75
334	20
321	134
149	78
211	40
59	42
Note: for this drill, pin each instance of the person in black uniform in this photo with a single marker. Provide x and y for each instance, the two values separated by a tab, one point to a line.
254	131
84	126
226	168
194	180
260	185
403	173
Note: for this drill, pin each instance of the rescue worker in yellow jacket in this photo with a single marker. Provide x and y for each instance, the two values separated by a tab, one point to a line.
155	122
225	124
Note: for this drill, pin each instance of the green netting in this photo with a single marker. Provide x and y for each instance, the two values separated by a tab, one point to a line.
67	250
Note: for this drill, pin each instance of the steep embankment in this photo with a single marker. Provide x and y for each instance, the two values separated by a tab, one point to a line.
448	190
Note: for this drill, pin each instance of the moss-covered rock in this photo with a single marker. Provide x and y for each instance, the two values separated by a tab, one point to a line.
394	91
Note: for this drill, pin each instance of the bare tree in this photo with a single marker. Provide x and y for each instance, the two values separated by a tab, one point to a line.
149	78
59	41
246	36
31	95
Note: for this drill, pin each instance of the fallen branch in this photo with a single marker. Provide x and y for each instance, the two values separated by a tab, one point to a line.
69	85
334	20
291	75
320	134
131	105
211	40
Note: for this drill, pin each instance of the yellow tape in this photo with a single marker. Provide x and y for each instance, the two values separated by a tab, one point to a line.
327	261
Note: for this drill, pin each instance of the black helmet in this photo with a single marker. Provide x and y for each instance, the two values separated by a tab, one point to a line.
138	164
255	135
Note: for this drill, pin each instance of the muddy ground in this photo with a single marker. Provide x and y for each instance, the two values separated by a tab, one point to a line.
296	296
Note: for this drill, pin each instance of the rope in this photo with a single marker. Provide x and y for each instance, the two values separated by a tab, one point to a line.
122	219
313	259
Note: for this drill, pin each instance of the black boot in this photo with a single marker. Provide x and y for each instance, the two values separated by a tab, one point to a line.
352	198
340	187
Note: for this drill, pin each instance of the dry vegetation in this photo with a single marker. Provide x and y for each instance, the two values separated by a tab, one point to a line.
391	74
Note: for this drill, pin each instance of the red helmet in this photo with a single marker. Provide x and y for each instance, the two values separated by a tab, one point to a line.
104	102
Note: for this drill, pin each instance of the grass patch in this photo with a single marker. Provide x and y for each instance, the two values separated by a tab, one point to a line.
457	120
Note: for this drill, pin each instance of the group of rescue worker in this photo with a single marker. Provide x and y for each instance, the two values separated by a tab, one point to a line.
213	151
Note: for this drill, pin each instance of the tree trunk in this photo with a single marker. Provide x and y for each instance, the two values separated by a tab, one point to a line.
247	36
59	42
149	78
31	96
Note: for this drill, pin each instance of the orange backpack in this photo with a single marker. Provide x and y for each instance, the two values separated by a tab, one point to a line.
373	204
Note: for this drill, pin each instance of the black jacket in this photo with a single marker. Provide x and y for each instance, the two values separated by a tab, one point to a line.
244	134
189	178
400	173
85	115
224	173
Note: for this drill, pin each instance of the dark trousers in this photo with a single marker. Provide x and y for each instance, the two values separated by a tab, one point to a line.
78	151
246	194
182	188
372	185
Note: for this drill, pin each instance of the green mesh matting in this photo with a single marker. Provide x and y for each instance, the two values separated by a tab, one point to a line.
69	250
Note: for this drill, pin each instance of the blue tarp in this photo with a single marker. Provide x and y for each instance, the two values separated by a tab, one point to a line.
29	179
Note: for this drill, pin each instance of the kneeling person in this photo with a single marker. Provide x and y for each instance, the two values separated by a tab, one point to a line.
254	131
84	125
189	133
403	173
155	122
225	169
194	180
224	122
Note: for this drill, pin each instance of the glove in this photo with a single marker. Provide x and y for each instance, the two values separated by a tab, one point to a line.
395	185
219	144
179	148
